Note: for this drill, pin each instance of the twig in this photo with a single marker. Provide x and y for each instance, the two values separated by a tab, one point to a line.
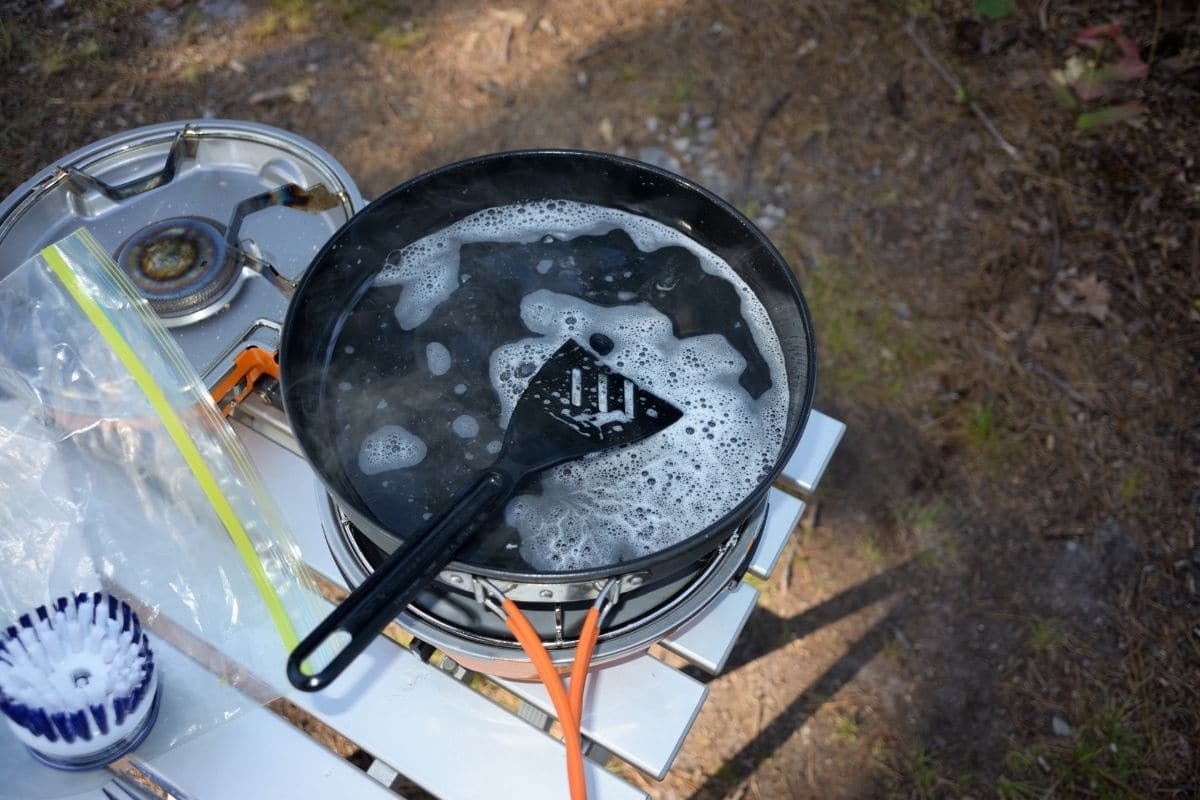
1040	303
756	140
961	91
595	50
1067	389
785	582
1154	39
506	44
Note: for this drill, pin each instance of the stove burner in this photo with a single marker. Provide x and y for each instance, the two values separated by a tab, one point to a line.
180	264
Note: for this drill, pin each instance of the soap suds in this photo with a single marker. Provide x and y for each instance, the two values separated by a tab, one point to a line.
639	499
390	447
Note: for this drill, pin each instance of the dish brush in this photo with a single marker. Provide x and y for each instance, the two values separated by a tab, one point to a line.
77	681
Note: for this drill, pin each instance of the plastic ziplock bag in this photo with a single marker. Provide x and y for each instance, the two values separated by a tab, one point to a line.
119	474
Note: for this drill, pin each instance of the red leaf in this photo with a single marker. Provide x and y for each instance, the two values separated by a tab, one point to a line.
1090	85
1093	34
1130	68
1128	48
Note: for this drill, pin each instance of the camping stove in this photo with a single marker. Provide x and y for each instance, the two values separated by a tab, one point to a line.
212	221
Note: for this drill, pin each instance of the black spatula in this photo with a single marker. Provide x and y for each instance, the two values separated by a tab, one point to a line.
573	406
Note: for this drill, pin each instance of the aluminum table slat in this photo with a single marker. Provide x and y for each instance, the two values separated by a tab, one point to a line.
639	710
708	640
783	512
820	438
229	762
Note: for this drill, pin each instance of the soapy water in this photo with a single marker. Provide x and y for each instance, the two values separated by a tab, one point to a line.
465	426
499	292
652	494
390	448
438	358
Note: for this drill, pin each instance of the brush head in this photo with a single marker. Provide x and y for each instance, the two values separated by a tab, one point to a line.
77	681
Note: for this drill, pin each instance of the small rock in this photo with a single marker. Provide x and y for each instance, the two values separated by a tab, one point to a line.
1060	726
704	123
581	78
681	144
606	130
717	28
658	157
161	24
652	123
217	10
297	92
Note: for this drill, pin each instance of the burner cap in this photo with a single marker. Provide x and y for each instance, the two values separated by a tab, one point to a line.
180	264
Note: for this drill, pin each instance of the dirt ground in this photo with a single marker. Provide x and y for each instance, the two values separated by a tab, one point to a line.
994	593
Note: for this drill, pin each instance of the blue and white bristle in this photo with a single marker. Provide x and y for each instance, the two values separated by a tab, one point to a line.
77	680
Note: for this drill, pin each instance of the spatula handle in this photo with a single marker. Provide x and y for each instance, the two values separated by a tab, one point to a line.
398	580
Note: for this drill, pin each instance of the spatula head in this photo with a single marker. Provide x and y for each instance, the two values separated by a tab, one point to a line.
575	406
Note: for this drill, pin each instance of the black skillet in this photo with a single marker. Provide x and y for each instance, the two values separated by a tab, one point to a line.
341	278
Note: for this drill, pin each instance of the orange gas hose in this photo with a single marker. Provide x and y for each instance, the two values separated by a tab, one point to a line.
583	659
531	643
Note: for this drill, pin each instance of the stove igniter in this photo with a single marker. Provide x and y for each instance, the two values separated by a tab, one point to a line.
180	265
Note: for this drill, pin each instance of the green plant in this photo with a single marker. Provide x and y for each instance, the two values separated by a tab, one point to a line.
1044	635
9	42
1092	84
1131	485
981	426
1099	759
398	38
870	552
918	518
993	9
683	87
864	347
846	730
922	770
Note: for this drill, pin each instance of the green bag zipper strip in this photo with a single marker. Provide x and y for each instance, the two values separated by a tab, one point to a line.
181	437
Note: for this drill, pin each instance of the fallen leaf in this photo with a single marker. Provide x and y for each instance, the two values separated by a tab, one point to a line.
1086	295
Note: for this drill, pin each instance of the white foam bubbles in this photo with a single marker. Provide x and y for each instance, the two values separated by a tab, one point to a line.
437	357
427	270
388	448
640	499
465	426
643	498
